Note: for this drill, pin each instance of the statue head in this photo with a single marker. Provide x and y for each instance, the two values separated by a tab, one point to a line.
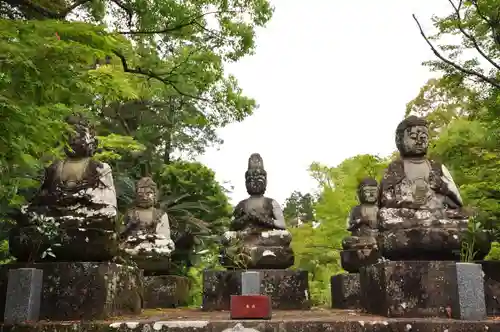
368	191
412	137
256	175
83	141
146	193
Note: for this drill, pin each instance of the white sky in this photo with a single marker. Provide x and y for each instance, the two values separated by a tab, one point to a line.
332	79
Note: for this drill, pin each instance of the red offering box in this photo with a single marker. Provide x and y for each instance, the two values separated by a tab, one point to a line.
250	307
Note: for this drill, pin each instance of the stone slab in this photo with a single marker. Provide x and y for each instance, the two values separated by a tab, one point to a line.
24	291
491	270
288	289
250	283
167	291
470	304
409	288
324	320
345	291
83	290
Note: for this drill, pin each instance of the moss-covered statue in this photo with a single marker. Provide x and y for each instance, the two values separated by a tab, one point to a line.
421	216
361	247
258	238
146	237
73	216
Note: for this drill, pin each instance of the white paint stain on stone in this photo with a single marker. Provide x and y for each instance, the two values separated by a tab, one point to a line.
157	326
132	325
268	253
382	322
240	328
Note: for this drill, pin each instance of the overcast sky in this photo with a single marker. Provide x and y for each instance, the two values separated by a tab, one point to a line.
332	79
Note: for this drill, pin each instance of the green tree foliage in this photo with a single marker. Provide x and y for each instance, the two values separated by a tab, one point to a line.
463	104
99	55
150	73
198	207
299	207
317	249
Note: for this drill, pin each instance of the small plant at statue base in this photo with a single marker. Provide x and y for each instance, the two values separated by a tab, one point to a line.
50	232
469	241
238	255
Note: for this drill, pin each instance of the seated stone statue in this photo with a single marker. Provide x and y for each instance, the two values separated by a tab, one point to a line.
73	217
420	214
258	235
146	237
361	247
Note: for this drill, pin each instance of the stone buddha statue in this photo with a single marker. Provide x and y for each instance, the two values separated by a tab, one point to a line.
361	247
420	216
258	226
73	216
146	236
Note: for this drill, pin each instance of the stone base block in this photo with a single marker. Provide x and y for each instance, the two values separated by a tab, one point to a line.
346	291
413	289
166	291
288	289
83	290
81	244
491	271
353	259
438	244
261	257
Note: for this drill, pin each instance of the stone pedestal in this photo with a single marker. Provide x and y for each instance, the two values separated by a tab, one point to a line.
82	290
420	243
491	271
415	289
165	291
353	259
82	244
262	257
288	289
346	291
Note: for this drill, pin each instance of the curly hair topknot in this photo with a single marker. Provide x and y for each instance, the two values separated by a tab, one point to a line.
146	182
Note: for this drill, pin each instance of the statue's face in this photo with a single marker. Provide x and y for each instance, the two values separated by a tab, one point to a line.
256	182
416	141
145	197
369	194
81	143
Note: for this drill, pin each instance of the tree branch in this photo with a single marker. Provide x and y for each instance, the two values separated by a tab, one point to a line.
469	36
28	4
151	74
191	21
69	9
47	13
493	24
451	63
129	10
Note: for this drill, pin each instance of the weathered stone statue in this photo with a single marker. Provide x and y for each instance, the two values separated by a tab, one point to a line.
258	226
420	215
73	217
361	247
146	237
